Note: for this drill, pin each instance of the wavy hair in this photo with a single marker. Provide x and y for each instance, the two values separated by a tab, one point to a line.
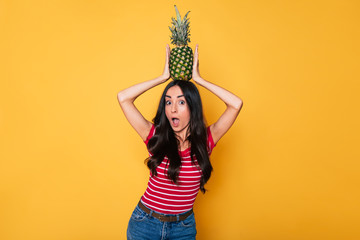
164	142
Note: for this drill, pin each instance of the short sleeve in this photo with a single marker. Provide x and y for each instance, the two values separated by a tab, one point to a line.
210	141
151	134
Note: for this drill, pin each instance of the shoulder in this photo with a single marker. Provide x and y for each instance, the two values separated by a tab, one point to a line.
150	134
210	141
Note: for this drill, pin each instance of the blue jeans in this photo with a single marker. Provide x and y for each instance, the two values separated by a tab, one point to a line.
143	226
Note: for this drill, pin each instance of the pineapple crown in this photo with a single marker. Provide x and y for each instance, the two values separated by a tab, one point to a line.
180	29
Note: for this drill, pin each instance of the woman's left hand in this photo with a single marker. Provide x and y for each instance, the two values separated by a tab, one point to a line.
195	72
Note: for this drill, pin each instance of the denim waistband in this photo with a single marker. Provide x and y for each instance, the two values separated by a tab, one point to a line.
165	217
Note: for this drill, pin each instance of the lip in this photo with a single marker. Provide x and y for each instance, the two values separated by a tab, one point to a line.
175	122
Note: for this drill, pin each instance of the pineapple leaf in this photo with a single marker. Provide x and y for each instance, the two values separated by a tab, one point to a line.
177	15
185	17
180	29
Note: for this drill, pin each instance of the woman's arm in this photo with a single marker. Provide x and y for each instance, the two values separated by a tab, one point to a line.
127	97
233	102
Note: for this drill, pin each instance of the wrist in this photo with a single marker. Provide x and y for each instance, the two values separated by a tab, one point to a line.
163	78
199	80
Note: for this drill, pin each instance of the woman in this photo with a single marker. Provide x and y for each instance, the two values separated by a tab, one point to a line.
179	146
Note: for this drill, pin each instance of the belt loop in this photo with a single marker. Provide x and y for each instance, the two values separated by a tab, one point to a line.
177	217
151	212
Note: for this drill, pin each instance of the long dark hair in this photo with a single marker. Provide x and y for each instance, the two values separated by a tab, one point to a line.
164	142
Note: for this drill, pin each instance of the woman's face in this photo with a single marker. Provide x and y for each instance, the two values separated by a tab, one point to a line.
176	109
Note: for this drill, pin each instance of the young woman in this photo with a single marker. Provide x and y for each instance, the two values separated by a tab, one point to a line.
179	146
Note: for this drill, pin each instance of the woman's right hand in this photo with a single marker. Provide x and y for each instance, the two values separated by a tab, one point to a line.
166	73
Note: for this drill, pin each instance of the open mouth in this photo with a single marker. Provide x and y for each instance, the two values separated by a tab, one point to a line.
175	122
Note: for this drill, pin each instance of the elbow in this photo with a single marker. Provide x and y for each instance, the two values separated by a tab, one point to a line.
121	97
124	98
238	105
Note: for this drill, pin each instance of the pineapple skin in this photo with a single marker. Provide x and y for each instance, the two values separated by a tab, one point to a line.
181	63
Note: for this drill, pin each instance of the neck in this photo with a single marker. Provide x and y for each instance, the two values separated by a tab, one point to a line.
183	143
182	134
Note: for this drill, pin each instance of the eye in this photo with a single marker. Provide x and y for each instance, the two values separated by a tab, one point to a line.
181	102
168	102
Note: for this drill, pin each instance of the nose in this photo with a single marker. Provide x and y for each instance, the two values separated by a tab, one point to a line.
173	108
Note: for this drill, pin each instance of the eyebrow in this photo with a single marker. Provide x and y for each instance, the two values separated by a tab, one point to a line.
177	96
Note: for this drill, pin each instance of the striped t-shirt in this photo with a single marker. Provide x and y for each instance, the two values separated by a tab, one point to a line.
162	195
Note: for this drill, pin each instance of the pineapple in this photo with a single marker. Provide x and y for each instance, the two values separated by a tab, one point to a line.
181	57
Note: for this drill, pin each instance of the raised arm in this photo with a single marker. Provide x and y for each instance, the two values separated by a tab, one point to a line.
127	97
233	102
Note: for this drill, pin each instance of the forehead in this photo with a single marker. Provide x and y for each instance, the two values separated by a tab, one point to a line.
174	91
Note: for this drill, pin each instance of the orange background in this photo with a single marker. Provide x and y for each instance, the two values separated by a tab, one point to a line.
71	167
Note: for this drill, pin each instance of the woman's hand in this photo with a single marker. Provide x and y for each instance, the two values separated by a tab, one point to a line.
166	73
195	72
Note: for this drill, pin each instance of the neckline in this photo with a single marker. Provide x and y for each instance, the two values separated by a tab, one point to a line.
185	150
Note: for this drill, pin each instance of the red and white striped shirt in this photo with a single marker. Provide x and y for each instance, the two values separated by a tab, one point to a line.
162	195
